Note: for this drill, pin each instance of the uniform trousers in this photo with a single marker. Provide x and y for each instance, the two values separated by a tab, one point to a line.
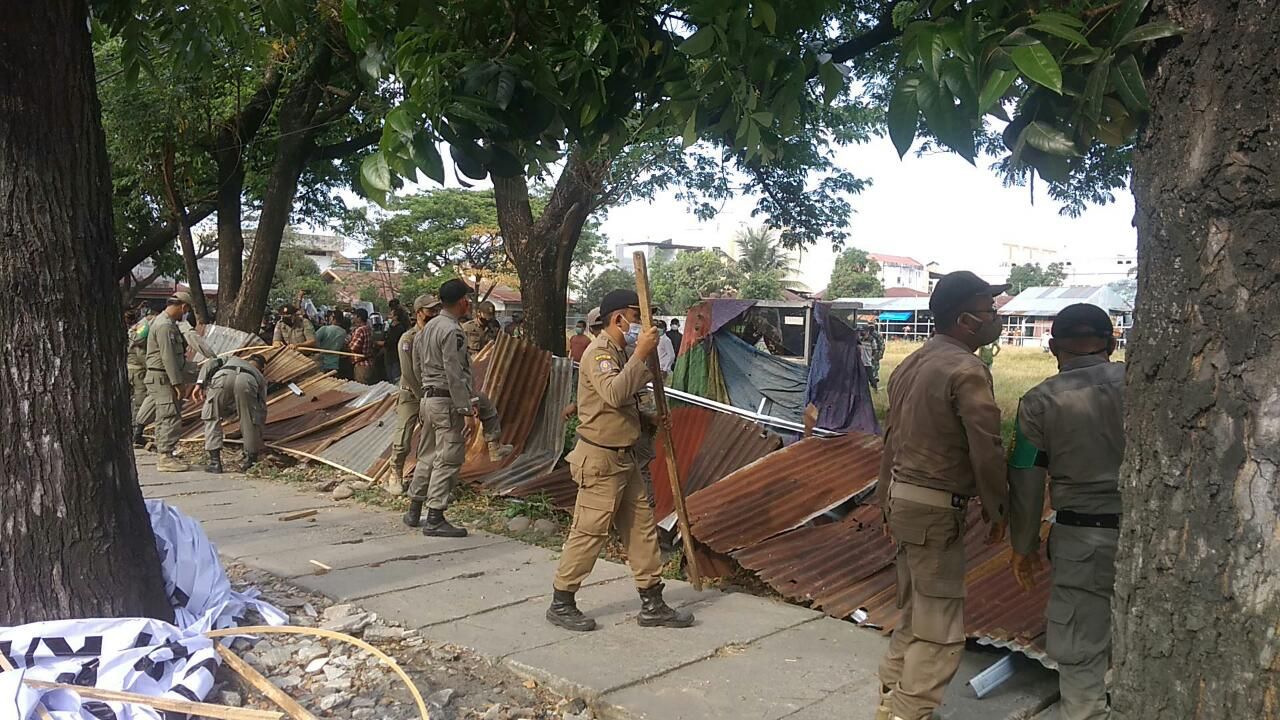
234	394
610	492
168	416
924	652
137	393
442	448
408	411
1079	614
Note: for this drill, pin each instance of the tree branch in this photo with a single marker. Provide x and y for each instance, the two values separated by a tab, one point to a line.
880	33
158	237
337	151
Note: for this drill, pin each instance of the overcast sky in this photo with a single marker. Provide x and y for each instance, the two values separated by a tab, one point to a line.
936	207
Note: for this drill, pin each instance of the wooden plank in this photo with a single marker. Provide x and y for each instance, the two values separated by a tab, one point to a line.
263	685
219	712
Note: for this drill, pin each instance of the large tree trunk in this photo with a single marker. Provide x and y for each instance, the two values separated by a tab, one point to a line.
1198	581
542	249
75	540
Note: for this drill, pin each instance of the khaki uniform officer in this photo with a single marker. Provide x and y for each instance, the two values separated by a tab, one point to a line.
409	402
1072	425
941	447
137	365
441	362
482	329
238	388
294	329
604	466
168	369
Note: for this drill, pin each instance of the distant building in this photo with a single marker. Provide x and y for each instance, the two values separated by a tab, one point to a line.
161	287
899	271
1100	270
665	250
1029	315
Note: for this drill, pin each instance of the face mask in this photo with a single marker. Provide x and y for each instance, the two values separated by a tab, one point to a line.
633	334
577	331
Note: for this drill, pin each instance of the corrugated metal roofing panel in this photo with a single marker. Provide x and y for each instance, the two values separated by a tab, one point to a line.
221	339
1049	301
515	381
360	450
783	490
709	446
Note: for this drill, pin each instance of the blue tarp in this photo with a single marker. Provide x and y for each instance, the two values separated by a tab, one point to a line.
751	375
837	381
895	316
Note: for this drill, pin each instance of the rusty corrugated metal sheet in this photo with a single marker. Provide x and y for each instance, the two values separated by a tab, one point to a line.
783	490
515	380
709	446
221	339
545	442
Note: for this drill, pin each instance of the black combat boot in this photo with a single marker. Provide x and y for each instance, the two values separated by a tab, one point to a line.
413	516
564	612
215	461
437	526
249	461
138	440
654	612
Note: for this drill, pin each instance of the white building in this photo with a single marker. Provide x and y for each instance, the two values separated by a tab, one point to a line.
898	271
1100	270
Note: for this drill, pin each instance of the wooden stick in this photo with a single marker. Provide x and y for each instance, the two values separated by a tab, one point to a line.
221	712
318	632
263	685
297	515
664	430
309	456
323	351
40	709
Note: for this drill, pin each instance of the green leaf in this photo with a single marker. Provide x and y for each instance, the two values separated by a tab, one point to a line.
1048	139
1095	87
1126	19
1061	31
832	81
357	28
1038	65
504	89
375	177
765	13
763	117
903	12
931	47
953	36
591	40
949	123
1059	18
1019	38
903	116
398	119
1151	31
699	43
1127	79
995	88
691	129
427	157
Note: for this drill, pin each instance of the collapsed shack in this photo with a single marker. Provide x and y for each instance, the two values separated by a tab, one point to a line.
797	516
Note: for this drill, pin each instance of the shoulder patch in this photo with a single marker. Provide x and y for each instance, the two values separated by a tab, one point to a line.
462	342
605	364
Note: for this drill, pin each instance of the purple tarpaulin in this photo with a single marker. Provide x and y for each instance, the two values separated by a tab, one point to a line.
838	383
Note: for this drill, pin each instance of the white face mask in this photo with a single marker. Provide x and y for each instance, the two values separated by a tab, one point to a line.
633	334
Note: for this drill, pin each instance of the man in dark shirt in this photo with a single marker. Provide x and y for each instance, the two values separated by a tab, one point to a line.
675	335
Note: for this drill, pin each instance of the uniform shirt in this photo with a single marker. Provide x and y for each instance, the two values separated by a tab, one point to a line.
290	335
608	382
237	365
943	429
441	361
137	352
167	351
1071	425
479	334
330	337
410	386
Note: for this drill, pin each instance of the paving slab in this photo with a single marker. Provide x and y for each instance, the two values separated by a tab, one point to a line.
510	629
436	560
772	678
238	537
374	552
225	506
593	664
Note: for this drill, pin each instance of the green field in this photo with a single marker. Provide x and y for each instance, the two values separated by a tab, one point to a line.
1015	371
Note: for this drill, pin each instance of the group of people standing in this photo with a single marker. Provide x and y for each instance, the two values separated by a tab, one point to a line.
943	447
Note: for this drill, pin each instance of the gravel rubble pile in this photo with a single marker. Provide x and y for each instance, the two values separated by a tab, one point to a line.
337	680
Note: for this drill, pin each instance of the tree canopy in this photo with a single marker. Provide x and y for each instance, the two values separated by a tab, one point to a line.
610	278
298	274
854	274
682	282
1031	275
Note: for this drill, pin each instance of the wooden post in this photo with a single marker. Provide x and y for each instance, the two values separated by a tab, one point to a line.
664	415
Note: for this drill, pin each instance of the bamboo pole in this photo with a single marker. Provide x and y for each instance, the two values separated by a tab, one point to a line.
40	709
317	458
664	422
185	707
323	351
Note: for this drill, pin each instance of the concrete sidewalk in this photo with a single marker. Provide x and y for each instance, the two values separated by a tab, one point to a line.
747	657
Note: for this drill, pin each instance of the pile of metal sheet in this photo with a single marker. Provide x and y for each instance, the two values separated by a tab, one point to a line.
772	517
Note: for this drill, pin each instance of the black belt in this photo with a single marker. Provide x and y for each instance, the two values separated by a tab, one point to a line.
430	392
602	447
1110	521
